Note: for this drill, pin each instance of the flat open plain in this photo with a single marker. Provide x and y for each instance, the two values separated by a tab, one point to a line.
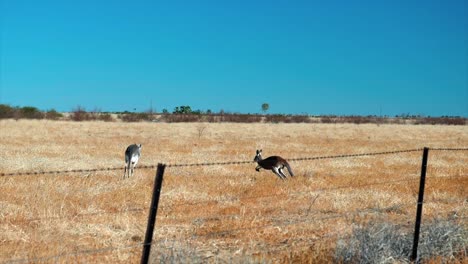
227	213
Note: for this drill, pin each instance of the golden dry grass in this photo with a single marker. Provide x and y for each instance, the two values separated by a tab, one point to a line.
216	213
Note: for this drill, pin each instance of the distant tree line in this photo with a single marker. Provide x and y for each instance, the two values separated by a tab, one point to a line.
27	112
185	113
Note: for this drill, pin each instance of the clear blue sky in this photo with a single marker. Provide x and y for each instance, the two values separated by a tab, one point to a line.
316	57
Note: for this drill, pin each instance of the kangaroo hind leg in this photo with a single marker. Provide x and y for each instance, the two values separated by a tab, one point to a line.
276	171
282	173
126	171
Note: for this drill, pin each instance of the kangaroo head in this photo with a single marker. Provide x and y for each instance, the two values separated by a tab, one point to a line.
258	156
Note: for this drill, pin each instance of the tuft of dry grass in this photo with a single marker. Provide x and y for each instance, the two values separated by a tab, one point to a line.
440	241
216	213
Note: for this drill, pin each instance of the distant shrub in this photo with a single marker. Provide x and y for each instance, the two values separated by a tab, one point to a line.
184	109
460	121
178	118
130	117
30	112
211	118
135	117
300	119
287	119
360	119
92	115
79	114
195	116
53	115
275	119
328	119
6	111
105	117
238	118
405	119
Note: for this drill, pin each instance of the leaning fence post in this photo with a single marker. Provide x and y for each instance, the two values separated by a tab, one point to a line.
414	255
152	213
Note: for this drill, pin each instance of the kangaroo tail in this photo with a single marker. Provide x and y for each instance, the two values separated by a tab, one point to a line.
289	169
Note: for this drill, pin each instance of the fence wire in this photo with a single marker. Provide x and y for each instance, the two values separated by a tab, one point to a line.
357	155
449	149
204	164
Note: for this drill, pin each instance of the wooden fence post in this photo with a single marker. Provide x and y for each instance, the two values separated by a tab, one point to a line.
422	181
152	213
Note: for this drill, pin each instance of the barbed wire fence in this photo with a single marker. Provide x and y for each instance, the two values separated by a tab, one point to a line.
204	164
149	240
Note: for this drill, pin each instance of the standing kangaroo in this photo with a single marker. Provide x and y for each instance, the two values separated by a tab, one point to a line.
132	155
273	163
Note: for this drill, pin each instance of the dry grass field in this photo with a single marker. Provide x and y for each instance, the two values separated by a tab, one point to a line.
216	214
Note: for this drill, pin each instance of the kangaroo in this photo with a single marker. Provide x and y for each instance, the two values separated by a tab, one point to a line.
273	163
132	155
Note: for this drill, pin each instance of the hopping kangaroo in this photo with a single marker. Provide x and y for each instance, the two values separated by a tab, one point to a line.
273	163
132	155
